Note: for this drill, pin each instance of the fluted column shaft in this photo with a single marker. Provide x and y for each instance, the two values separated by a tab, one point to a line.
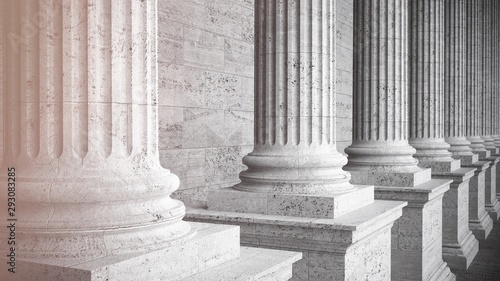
496	80
496	74
295	146
426	85
80	126
486	74
473	78
380	97
454	81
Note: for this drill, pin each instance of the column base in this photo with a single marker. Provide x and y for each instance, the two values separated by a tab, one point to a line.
493	151
492	205
459	245
484	154
387	178
417	236
479	221
213	253
493	210
482	227
443	273
282	204
355	246
461	255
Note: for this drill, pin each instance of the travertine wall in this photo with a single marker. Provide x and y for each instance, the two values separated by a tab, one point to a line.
206	89
344	73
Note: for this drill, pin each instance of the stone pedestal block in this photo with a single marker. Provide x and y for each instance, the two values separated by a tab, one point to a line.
492	204
479	221
459	244
417	236
214	253
498	182
298	205
354	246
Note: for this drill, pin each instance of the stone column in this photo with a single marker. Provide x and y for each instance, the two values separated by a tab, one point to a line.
485	74
454	86
80	142
380	153
295	169
294	150
496	88
492	205
456	54
426	92
472	78
426	86
81	128
295	146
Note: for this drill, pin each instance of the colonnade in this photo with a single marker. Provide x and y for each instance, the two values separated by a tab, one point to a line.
412	198
83	195
425	119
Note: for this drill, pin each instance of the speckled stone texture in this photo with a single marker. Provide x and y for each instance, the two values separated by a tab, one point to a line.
492	204
426	91
496	87
454	81
205	100
206	86
295	170
426	87
213	254
479	221
417	236
93	202
380	153
351	247
459	244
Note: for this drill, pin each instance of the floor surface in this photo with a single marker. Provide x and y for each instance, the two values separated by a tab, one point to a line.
486	265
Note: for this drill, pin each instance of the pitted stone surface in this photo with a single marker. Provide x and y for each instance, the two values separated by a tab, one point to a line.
297	205
479	221
82	135
459	245
332	248
426	91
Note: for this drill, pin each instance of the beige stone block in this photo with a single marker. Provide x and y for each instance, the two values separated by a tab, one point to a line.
180	86
297	205
238	57
189	11
203	49
351	247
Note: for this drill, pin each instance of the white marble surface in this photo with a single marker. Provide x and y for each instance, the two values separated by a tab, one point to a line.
426	88
454	81
295	122
479	221
333	249
459	244
81	130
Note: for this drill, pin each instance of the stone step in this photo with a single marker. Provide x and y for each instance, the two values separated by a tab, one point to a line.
253	264
213	250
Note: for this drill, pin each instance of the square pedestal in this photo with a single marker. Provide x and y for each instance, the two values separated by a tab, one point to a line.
272	203
460	246
382	178
355	246
498	181
479	221
492	205
417	236
213	253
